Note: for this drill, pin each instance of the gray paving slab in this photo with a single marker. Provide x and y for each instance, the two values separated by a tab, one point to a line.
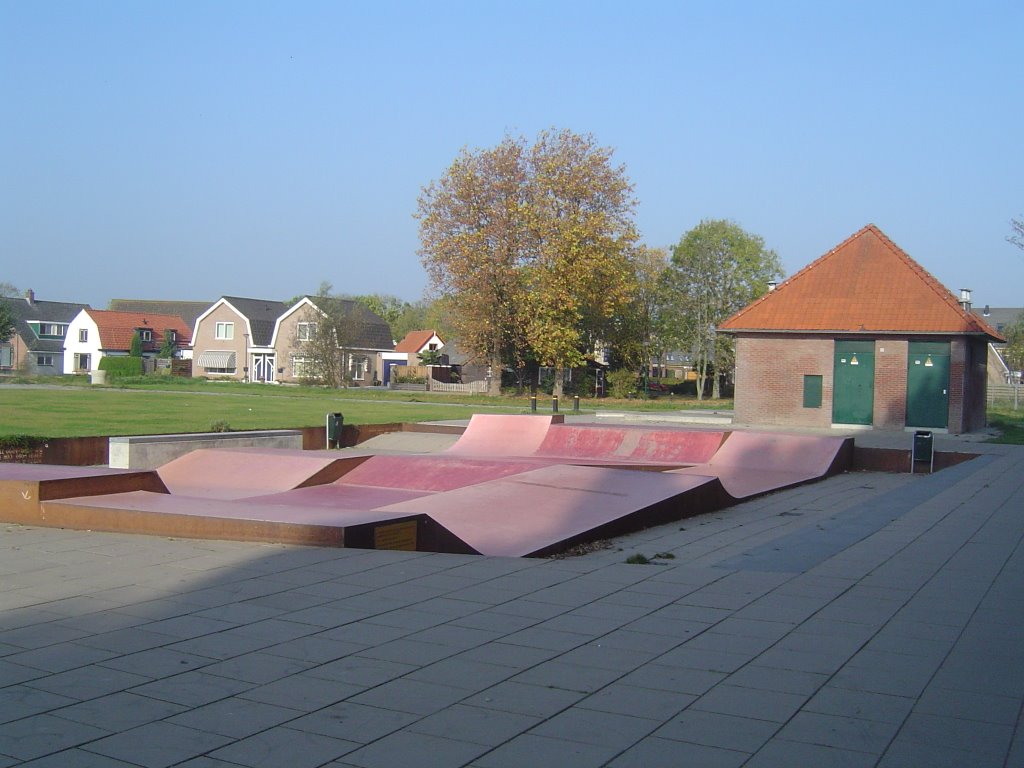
867	620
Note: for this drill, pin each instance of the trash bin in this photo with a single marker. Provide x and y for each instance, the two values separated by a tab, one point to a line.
335	424
922	451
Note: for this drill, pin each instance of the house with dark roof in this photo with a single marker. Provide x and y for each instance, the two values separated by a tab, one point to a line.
97	333
863	336
186	310
37	346
258	340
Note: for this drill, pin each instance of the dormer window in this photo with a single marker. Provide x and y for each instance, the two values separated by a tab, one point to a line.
145	334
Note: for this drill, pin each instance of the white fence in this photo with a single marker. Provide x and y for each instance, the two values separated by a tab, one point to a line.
469	388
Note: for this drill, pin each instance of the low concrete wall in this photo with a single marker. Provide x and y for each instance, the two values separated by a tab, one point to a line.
152	451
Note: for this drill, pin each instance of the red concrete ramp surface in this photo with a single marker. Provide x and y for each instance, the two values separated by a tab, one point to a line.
498	435
438	472
619	444
752	463
549	509
237	473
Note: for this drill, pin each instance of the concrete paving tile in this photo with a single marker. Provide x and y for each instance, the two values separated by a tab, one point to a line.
40	735
73	758
284	746
621	698
713	729
411	749
302	691
539	750
702	658
972	735
774	679
848	733
969	705
361	671
676	679
18	701
477	725
193	689
87	682
755	703
566	676
524	699
156	663
509	655
455	637
37	629
118	711
548	639
234	717
607	729
221	645
677	630
746	645
312	649
641	642
664	753
597	654
493	620
157	745
257	668
354	722
412	696
407	651
864	705
779	753
328	615
459	672
366	633
185	627
915	754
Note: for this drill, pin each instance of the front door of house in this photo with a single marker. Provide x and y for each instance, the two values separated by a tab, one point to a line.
928	384
853	383
263	368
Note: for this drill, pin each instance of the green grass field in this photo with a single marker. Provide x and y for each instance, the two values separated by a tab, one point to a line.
167	406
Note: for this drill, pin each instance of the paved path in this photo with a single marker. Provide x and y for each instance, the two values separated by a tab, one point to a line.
865	620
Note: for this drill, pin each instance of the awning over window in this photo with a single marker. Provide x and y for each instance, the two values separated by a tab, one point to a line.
217	359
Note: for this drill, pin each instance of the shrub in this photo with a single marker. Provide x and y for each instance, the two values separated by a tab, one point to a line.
117	367
220	426
621	383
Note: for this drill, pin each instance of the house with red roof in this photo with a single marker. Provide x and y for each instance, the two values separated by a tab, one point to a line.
863	336
407	351
97	333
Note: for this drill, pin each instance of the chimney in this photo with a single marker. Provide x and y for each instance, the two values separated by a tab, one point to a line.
772	285
30	297
965	299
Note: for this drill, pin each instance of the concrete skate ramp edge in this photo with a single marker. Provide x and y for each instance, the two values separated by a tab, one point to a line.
752	463
648	445
237	473
166	515
434	472
500	435
552	508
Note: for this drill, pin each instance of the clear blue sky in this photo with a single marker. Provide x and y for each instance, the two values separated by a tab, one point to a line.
195	149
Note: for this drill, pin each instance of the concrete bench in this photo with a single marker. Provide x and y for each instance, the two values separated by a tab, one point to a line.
152	451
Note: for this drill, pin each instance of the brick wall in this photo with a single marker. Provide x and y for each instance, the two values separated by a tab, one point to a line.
890	407
770	374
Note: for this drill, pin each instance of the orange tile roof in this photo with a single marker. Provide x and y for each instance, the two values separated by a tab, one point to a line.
866	284
117	328
414	341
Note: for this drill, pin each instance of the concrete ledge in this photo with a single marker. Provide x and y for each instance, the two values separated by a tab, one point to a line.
152	451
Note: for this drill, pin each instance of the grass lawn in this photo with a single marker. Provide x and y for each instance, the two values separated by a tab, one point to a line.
1009	421
194	405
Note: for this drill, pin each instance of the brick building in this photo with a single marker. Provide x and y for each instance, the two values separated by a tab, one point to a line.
862	336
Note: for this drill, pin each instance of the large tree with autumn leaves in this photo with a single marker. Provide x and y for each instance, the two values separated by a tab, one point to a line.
533	247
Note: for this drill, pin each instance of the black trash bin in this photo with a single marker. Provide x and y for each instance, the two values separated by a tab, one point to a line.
923	451
335	424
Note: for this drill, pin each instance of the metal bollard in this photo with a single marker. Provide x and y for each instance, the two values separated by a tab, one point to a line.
554	403
533	403
576	404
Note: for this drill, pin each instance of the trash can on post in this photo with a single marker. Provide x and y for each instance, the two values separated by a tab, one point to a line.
922	451
335	423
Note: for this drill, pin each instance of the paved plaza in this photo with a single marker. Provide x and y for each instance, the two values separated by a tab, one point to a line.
866	620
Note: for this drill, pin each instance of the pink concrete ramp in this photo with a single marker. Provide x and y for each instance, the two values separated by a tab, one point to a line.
499	435
237	473
549	509
752	463
630	445
159	514
433	472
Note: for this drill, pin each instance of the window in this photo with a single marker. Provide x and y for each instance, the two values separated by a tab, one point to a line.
306	331
44	361
224	331
6	355
812	391
302	368
54	330
82	362
83	335
145	334
358	366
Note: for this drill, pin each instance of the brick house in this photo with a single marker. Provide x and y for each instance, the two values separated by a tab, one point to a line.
863	336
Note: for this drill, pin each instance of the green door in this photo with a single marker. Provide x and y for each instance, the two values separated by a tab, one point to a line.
853	383
928	384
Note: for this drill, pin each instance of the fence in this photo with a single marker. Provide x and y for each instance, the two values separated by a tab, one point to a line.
1005	394
469	388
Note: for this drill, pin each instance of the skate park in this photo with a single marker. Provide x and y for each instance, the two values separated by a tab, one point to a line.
507	486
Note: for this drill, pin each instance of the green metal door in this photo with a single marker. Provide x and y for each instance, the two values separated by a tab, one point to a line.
928	384
853	383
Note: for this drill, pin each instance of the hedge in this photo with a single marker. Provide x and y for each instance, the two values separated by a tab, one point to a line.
121	366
